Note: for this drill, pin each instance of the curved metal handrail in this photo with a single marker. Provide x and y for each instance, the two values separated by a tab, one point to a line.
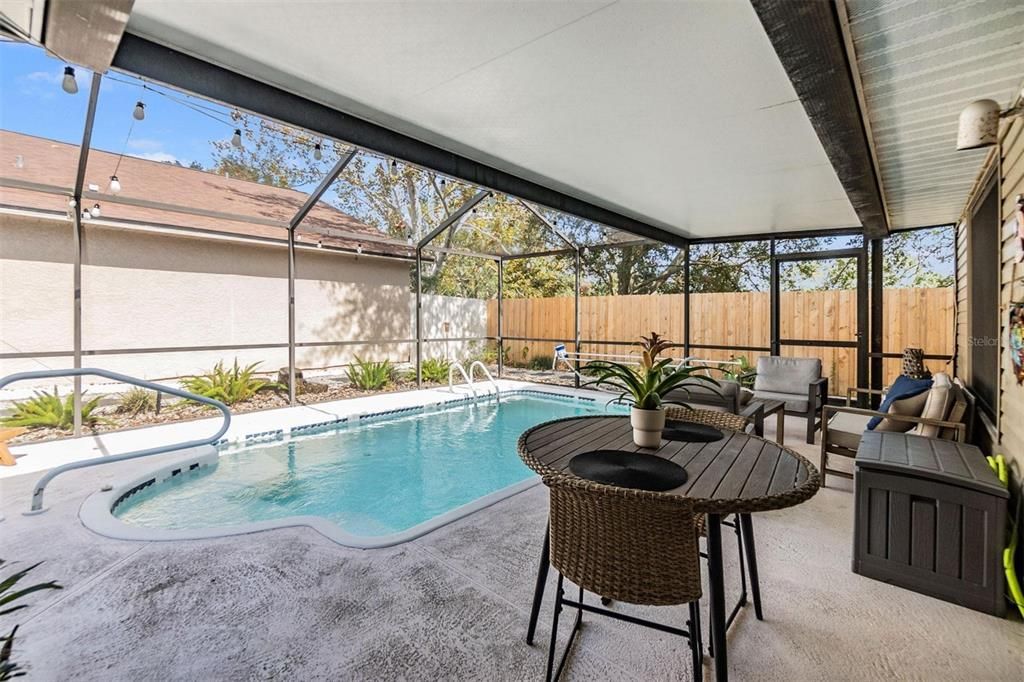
487	374
37	493
462	371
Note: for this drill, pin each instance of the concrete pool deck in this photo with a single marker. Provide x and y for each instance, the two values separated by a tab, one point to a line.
450	605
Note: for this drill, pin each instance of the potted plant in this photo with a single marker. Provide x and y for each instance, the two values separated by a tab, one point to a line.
644	387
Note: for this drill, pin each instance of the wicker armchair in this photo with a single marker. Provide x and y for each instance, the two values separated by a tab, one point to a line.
625	544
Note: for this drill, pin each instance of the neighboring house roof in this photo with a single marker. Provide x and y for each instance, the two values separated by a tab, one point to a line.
251	205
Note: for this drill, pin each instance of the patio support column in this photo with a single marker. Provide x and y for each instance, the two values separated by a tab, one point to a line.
686	300
774	299
501	295
293	225
419	316
291	316
877	318
83	161
576	319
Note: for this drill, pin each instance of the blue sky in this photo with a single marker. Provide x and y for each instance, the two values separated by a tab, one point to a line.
32	102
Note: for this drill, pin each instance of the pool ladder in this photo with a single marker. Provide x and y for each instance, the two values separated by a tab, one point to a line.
468	376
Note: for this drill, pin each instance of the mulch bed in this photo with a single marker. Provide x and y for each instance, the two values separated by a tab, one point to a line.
113	420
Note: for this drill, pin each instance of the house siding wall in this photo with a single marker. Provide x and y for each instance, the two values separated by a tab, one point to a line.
1007	435
1011	180
149	290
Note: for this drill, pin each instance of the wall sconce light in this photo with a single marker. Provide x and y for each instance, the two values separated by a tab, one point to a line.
979	122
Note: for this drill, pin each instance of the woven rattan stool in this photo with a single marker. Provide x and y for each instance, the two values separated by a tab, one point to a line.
630	545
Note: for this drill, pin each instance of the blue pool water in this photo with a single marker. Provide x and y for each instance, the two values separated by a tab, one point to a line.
374	478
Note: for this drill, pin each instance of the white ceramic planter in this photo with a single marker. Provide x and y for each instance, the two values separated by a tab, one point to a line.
647	426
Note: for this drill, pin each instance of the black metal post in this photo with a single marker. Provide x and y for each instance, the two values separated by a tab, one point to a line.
538	588
747	528
419	316
717	596
877	318
686	300
501	340
774	298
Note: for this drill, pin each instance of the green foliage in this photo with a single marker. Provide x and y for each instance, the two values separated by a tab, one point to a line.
744	373
228	385
136	400
369	375
643	387
9	593
50	410
435	370
540	362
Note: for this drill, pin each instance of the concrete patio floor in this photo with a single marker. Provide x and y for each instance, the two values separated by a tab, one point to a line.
453	604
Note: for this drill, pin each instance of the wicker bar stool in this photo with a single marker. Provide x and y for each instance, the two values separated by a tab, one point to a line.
741	524
630	545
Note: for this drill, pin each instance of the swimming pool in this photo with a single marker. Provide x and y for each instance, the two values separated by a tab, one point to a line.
369	482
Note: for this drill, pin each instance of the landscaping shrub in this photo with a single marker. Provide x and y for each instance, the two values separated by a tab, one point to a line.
368	375
10	591
228	385
541	362
136	400
435	370
49	409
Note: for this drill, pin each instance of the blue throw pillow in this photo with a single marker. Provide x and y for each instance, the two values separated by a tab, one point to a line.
903	387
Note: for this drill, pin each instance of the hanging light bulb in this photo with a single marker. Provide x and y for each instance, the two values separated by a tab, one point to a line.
140	111
69	84
86	215
318	152
236	139
394	166
96	210
443	182
72	203
115	184
319	243
359	249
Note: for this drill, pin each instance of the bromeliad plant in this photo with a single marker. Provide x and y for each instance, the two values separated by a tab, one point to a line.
644	387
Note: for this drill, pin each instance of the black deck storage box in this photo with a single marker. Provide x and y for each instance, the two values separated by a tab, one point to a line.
930	517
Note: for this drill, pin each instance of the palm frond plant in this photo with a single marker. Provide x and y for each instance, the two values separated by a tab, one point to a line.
9	669
50	410
644	387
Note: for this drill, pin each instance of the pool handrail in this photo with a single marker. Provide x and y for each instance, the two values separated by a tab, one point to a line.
462	370
487	374
40	487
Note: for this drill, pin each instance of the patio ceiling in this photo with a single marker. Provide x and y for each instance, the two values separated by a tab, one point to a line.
679	115
920	63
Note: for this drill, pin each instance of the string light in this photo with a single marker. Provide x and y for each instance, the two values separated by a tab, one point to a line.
236	139
318	152
140	111
69	84
96	210
72	203
86	215
359	249
115	184
319	243
394	166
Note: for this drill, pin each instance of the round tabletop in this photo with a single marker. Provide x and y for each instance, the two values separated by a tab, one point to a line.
739	473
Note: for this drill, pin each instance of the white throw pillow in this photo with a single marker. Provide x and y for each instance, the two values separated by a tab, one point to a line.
940	399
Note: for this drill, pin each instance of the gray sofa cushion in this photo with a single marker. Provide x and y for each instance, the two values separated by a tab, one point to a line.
786	375
845	430
794	403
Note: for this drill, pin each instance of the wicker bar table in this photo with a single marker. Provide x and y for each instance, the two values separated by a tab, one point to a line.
738	474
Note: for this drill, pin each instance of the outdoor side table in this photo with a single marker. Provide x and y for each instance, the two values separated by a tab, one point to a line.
767	407
738	474
930	517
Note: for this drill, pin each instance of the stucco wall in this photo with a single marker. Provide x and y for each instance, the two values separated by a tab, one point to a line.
151	290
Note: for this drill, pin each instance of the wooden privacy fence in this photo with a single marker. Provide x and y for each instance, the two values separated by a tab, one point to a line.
923	318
